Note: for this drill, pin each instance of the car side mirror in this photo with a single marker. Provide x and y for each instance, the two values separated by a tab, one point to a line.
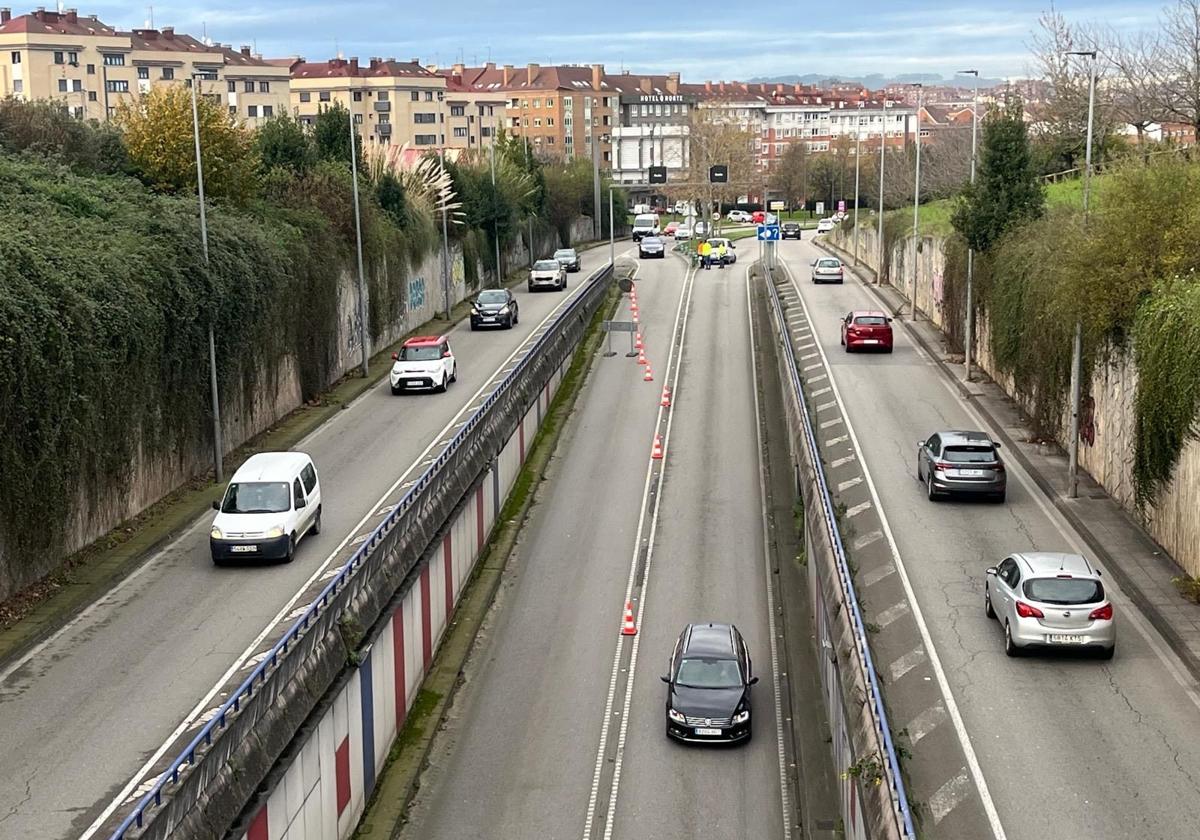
447	355
990	570
216	504
1099	573
920	444
665	679
995	444
395	357
889	320
753	681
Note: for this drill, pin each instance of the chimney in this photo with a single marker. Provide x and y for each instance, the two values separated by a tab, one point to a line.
491	65
168	32
721	86
72	16
374	63
531	72
246	51
597	75
354	65
797	88
458	69
5	15
673	83
646	85
779	89
414	61
40	14
507	72
708	87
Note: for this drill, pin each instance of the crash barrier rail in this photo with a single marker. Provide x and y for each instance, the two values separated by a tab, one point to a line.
891	770
401	538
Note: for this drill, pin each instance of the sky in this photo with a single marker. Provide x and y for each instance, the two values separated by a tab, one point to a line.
702	39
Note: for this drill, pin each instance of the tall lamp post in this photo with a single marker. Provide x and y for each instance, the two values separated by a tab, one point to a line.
218	445
879	221
970	336
917	204
857	170
495	223
1077	348
445	222
362	283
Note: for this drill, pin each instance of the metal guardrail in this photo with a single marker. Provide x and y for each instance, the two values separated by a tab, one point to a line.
895	782
404	535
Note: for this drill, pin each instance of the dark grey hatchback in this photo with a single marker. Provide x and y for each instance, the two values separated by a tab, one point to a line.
961	462
708	685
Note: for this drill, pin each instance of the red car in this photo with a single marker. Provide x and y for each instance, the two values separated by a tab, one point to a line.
758	217
868	329
670	229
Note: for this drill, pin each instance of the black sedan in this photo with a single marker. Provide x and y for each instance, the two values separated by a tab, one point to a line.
495	308
708	686
790	230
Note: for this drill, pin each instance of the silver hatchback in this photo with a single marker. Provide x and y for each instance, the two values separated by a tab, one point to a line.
961	462
827	270
1050	600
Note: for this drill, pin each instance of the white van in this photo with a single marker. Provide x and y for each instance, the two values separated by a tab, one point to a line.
273	500
645	225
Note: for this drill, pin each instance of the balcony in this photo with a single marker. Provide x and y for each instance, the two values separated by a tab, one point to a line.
383	107
383	129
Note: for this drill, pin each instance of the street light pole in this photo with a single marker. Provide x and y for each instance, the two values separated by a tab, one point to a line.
917	204
445	225
857	170
612	236
879	221
970	331
1077	345
362	283
214	395
495	223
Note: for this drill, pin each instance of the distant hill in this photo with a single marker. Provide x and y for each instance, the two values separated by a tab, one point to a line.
874	81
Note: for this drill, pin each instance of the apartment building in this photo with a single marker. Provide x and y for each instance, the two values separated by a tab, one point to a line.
652	129
474	115
393	103
91	67
255	89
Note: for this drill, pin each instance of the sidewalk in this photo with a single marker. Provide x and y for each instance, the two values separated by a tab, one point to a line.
1140	566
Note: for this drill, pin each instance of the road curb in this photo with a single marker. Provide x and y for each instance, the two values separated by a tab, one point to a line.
1131	588
399	781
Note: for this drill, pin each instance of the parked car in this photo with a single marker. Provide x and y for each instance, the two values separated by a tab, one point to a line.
683	208
708	685
495	308
683	232
867	329
702	229
645	224
827	270
730	248
738	216
825	225
569	259
789	230
271	503
652	246
1050	600
424	362
961	462
670	229
758	217
547	274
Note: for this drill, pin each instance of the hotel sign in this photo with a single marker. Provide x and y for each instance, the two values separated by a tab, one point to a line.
656	99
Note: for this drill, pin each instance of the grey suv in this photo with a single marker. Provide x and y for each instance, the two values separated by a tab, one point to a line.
961	462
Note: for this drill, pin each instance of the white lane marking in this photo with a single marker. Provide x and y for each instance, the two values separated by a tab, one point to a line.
286	609
907	662
839	439
597	773
819	391
841	462
812	366
925	722
866	539
832	422
960	728
808	356
875	575
816	378
827	406
762	490
892	613
861	507
852	482
949	795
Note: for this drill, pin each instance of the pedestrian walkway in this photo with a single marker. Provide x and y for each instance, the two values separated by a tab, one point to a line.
1142	569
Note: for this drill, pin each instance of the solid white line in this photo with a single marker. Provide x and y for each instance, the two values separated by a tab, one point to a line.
598	771
762	490
200	707
935	661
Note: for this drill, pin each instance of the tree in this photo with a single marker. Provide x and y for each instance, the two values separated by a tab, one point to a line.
713	139
568	188
159	136
1180	77
331	134
389	192
791	176
281	141
47	128
1137	94
1007	190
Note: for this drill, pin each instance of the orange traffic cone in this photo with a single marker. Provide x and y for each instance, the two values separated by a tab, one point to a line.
666	397
656	451
638	345
642	358
628	627
649	377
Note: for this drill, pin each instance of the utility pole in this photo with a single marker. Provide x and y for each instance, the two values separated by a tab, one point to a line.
362	283
857	171
495	223
596	165
445	226
917	204
218	445
970	330
1077	346
879	221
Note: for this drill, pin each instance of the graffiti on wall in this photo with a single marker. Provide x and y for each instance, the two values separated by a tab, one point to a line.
939	289
416	292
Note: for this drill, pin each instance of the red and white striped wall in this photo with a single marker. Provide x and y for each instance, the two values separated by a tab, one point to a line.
323	793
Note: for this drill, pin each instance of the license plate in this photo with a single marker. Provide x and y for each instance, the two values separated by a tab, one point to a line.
1062	639
870	341
702	731
971	473
412	384
244	549
489	318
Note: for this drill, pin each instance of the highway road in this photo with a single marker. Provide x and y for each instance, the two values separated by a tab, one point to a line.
556	706
1070	745
83	714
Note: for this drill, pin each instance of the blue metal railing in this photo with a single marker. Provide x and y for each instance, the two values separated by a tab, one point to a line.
895	781
263	671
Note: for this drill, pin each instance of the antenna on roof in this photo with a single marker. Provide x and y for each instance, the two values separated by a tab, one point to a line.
152	17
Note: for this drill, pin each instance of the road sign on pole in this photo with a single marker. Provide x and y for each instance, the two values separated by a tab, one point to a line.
658	174
718	174
768	233
820	208
841	205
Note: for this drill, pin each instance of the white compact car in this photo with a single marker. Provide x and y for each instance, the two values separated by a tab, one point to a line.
825	225
424	362
738	216
273	500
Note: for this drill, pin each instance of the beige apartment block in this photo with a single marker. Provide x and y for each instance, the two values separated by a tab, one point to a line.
255	89
473	116
395	103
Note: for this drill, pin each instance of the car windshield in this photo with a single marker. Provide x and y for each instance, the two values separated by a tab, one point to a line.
566	255
546	265
970	454
421	353
493	296
870	320
257	497
709	673
1064	591
791	225
829	264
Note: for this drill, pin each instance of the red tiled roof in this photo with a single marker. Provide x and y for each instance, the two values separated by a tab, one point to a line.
166	40
244	58
345	68
53	23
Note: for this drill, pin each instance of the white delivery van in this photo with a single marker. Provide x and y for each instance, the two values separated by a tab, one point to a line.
645	224
272	501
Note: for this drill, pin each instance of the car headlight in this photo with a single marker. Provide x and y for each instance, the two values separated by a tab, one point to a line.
741	717
504	309
277	531
215	533
676	716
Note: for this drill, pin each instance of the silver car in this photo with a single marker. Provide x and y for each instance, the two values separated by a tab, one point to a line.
547	274
1050	600
827	270
652	246
961	462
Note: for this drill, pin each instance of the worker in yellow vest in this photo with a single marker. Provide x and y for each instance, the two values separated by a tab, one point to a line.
721	251
705	253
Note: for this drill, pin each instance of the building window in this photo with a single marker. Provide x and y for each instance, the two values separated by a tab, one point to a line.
117	86
233	88
18	85
358	96
549	141
384	119
416	96
168	73
460	132
537	121
110	59
264	87
112	111
305	96
91	96
252	111
549	120
426	139
58	57
62	85
77	111
248	86
358	119
457	111
550	102
143	72
77	85
16	58
323	95
428	96
91	68
424	118
485	131
383	96
567	102
233	110
537	103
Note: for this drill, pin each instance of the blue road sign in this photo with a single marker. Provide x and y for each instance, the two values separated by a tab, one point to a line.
768	233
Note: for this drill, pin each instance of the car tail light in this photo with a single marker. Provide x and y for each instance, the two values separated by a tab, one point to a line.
1026	611
999	466
1104	613
943	465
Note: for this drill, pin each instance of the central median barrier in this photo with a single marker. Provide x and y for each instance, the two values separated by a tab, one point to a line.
294	750
874	803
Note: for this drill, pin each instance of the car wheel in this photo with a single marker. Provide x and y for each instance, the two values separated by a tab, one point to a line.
999	498
217	561
291	551
454	374
441	389
920	476
397	391
847	348
474	326
316	526
1010	649
887	350
987	604
929	491
1108	653
516	316
530	288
